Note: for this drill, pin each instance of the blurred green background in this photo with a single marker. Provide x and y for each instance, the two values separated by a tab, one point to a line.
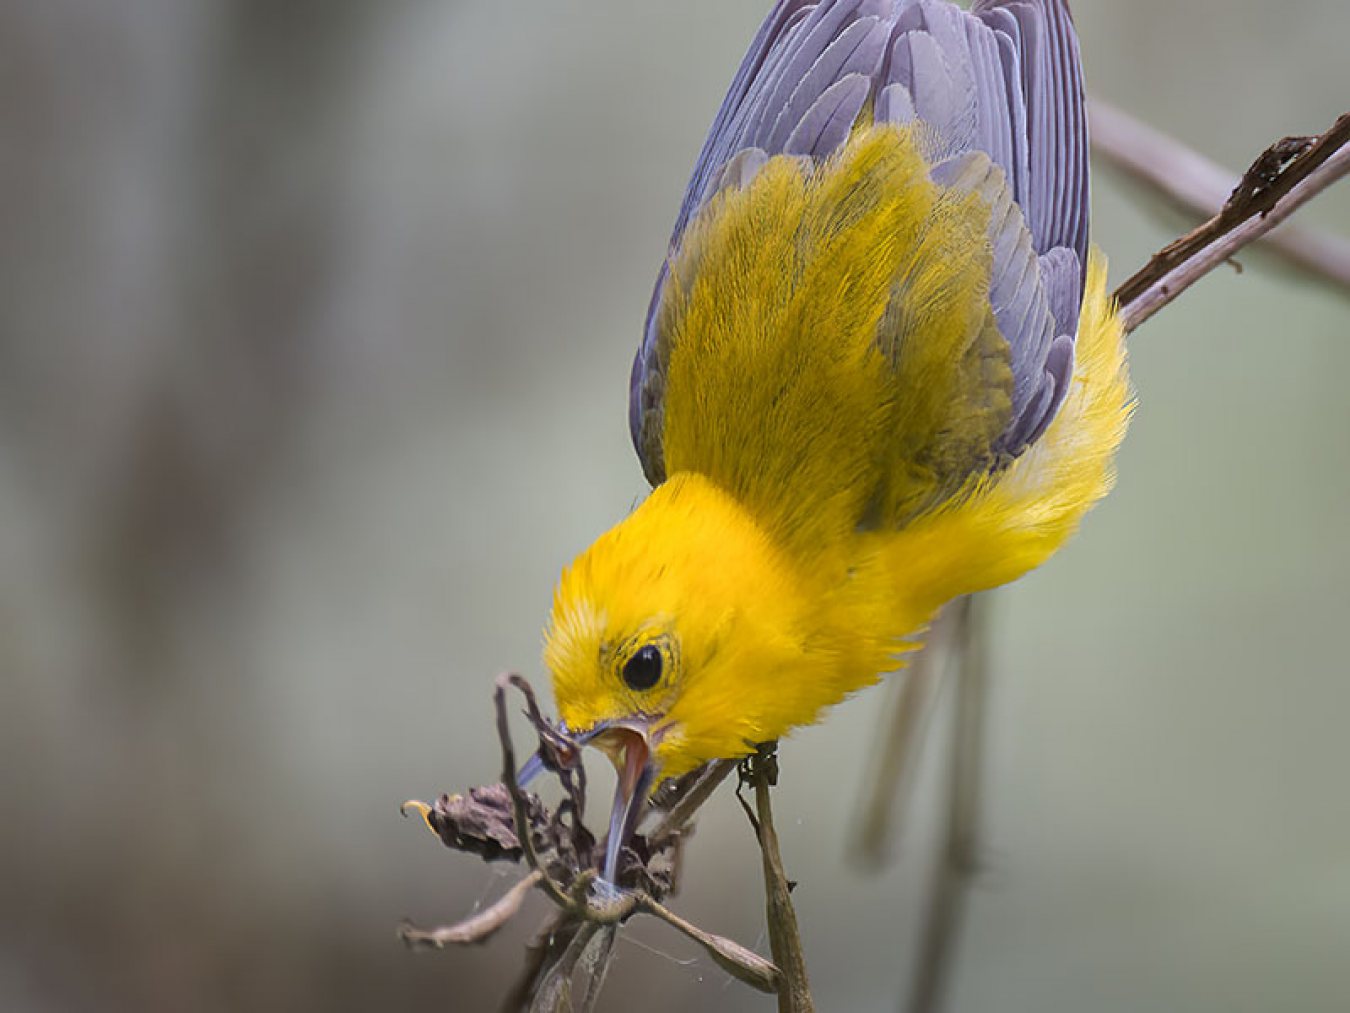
315	328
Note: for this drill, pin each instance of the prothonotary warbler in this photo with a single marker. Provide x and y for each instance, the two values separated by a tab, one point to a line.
880	370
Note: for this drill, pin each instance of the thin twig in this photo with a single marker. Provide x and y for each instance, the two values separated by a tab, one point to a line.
552	939
743	964
1277	185
1200	188
480	927
546	882
683	811
785	941
555	991
958	858
595	962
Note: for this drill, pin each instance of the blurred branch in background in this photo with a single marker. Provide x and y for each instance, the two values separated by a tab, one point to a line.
891	777
958	854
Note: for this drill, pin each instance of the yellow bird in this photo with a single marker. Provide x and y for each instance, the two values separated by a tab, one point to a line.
880	371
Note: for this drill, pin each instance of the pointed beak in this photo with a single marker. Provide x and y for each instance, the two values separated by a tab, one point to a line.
530	769
627	745
564	755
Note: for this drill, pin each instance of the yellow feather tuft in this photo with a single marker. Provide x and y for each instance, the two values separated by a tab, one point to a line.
1008	523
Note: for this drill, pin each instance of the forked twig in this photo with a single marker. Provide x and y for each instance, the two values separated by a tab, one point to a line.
581	934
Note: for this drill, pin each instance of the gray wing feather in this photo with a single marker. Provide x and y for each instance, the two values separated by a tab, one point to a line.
894	104
990	83
1062	277
995	128
741	168
827	123
856	52
942	93
1054	191
782	22
1000	92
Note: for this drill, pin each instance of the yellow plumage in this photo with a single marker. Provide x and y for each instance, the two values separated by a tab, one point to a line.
834	389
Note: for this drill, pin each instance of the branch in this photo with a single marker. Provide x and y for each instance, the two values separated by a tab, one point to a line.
1199	188
519	809
478	928
503	822
898	746
745	965
1284	178
958	858
704	783
785	941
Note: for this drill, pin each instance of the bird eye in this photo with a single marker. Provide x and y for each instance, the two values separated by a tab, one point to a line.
643	669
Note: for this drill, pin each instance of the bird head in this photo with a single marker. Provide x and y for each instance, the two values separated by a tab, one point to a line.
670	642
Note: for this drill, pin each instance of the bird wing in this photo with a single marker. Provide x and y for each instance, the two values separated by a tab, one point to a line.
998	91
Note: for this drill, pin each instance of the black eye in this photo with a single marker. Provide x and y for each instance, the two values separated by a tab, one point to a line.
643	669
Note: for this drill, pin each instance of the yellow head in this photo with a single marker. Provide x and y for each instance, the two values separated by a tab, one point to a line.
683	623
672	638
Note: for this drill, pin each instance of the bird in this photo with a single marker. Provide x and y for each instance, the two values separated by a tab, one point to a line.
880	371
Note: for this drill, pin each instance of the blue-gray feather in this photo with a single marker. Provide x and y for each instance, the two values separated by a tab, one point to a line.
1000	92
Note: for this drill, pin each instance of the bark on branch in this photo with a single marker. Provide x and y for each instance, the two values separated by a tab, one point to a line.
1199	188
1286	176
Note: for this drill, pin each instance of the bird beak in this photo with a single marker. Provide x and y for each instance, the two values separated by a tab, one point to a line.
628	746
535	765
